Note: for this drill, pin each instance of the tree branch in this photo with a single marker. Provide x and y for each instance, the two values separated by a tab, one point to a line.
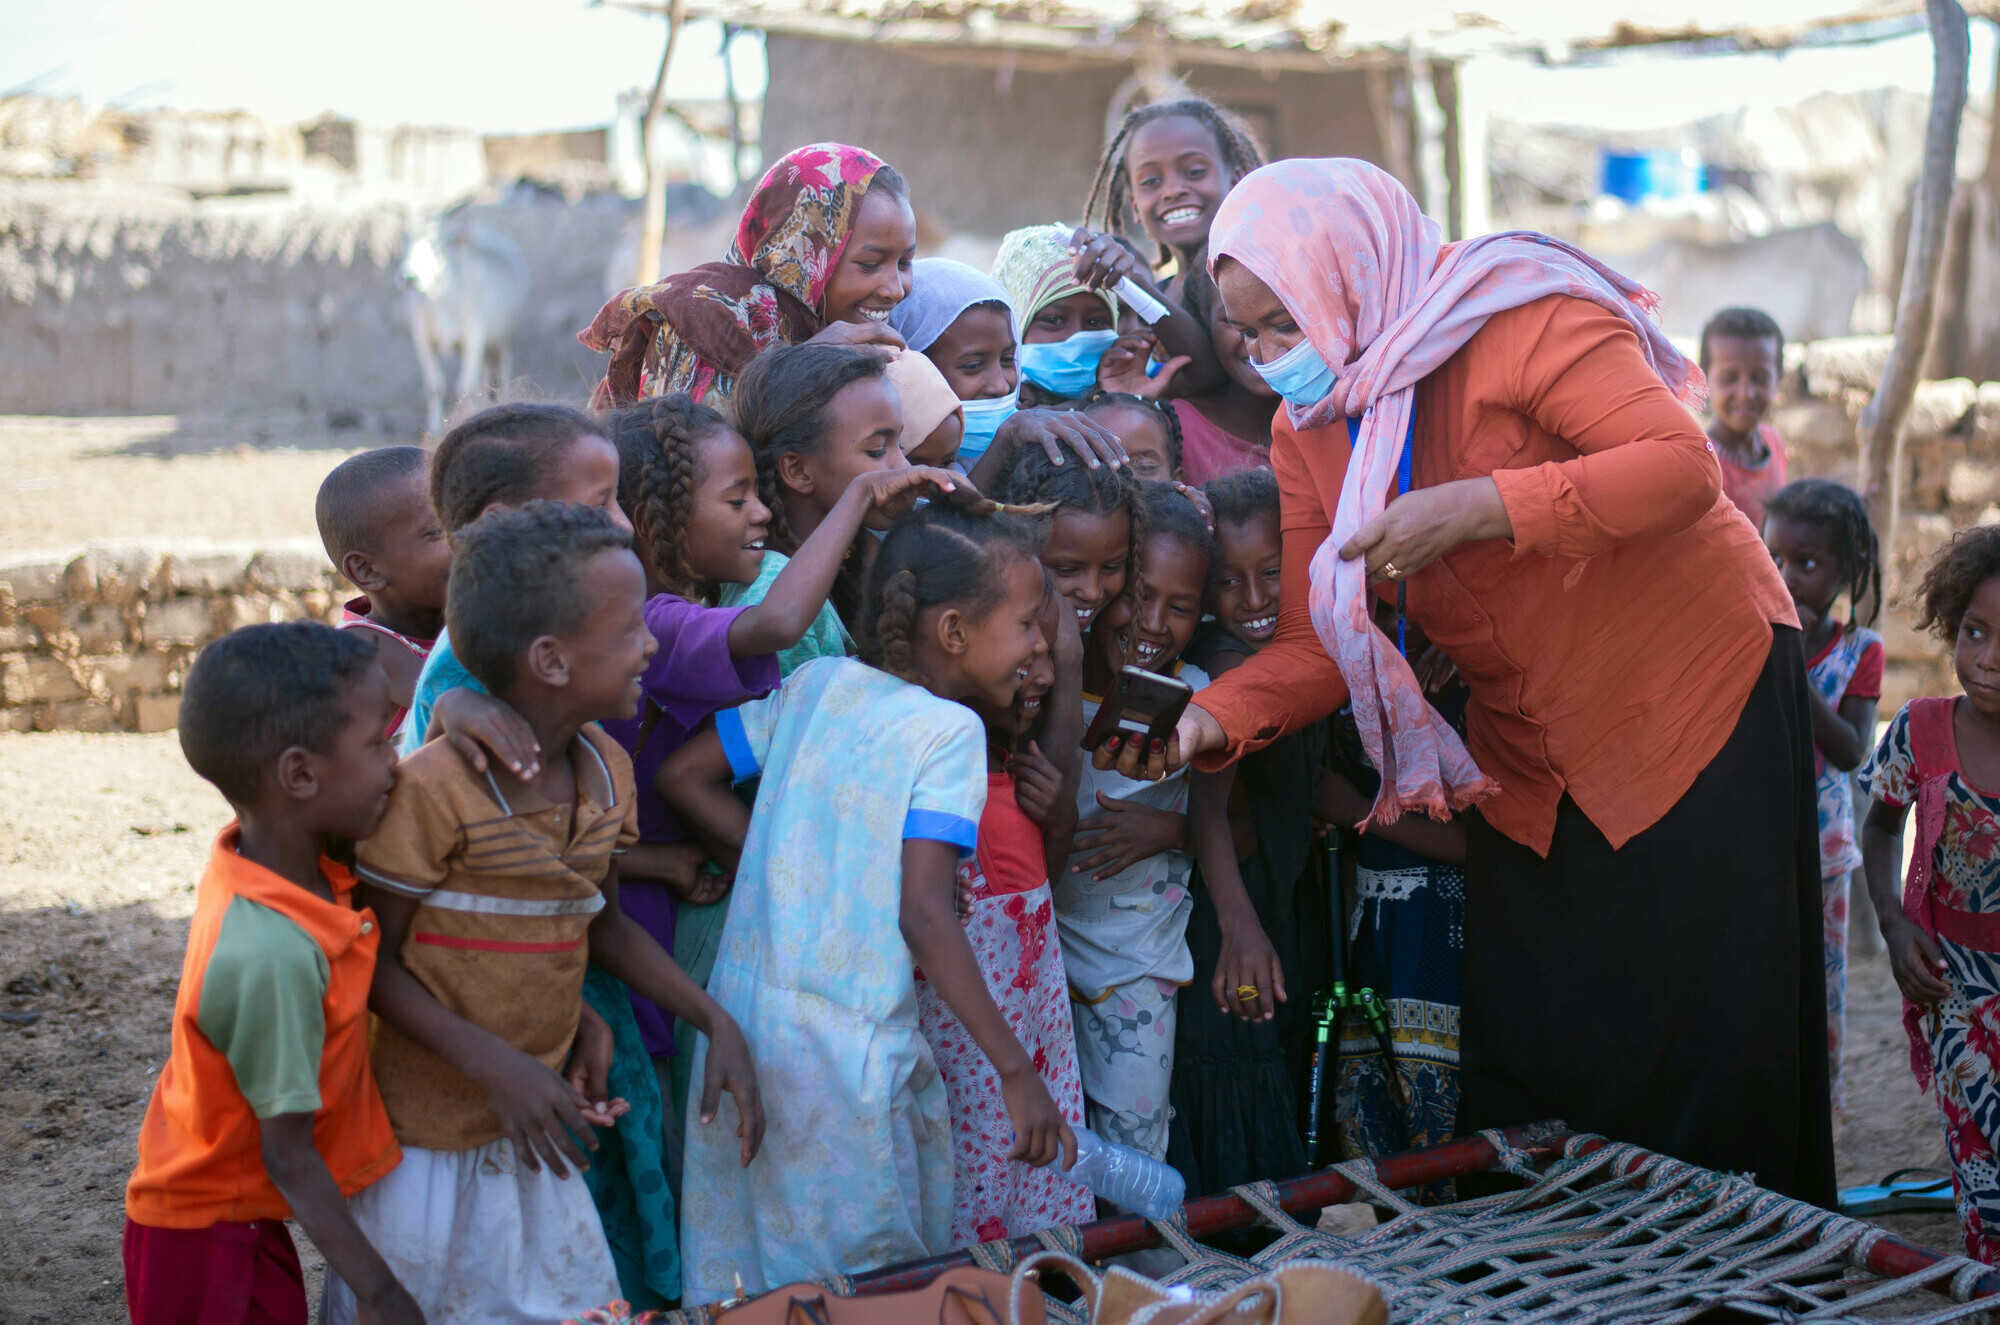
1882	422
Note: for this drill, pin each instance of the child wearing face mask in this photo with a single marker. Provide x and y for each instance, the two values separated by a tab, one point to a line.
1743	353
1228	430
1066	327
933	418
959	318
1122	904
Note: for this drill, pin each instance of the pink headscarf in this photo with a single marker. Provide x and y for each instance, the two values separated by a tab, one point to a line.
1362	271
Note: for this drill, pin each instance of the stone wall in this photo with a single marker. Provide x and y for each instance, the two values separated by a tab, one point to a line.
154	303
98	638
1950	480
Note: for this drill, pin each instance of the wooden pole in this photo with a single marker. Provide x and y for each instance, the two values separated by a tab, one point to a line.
653	222
1882	422
729	31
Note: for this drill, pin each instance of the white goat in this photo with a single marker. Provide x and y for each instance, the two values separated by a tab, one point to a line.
466	285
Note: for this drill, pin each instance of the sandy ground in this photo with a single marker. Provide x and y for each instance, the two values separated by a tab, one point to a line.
67	481
103	837
101	840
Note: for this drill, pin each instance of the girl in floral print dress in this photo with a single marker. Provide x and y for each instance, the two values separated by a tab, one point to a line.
1942	755
1024	832
1819	536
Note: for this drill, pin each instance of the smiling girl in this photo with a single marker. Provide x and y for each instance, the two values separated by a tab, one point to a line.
1088	550
822	253
1065	325
1122	905
836	912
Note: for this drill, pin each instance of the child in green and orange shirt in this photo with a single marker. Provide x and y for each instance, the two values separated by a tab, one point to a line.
267	1109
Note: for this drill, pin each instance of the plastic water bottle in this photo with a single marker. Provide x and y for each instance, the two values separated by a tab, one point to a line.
1129	1179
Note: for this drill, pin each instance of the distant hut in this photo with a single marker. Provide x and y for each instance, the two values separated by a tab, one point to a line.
997	112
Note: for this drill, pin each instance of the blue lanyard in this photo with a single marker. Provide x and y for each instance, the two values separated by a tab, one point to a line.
1402	487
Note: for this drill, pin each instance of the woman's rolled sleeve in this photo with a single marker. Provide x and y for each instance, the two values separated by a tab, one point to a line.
1291	681
1645	469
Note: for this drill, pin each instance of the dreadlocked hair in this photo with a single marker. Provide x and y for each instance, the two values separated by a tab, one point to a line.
1839	510
1971	558
780	402
940	555
1170	420
658	468
1110	198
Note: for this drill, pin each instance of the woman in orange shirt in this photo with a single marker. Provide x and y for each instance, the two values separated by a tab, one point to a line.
1642	949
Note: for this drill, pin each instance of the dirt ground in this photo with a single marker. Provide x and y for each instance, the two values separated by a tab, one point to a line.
101	840
103	837
67	481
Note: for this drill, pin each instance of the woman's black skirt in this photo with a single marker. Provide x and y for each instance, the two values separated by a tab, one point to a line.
1671	992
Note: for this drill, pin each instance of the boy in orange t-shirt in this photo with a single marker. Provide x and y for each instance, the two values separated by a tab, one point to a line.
267	1108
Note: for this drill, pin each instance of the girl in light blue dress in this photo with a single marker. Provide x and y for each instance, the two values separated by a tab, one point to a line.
873	780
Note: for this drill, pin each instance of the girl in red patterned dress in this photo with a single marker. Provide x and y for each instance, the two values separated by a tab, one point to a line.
1024	834
1942	755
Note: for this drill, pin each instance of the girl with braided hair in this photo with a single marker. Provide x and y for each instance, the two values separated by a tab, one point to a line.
688	484
1825	548
1087	550
873	784
1169	166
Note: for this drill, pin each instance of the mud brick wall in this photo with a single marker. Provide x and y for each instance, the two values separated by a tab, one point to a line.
1950	478
98	638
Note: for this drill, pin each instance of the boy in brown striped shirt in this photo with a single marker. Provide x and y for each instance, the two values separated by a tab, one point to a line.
494	894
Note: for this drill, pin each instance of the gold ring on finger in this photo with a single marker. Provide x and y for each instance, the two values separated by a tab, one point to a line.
1246	993
1390	569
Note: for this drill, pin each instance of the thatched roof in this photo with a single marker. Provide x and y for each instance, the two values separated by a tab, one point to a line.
1276	34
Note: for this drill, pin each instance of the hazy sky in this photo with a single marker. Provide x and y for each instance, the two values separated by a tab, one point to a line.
512	65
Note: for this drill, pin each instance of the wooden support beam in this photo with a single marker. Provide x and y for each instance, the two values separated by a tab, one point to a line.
1882	422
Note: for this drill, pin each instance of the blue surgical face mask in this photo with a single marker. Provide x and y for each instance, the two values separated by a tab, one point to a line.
982	419
1299	375
1065	368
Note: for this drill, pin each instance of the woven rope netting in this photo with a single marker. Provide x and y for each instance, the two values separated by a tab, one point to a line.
1603	1231
1607	1232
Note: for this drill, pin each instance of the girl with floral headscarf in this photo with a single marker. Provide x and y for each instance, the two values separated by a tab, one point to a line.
823	252
1642	931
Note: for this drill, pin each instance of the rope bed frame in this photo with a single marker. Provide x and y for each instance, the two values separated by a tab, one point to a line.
1604	1231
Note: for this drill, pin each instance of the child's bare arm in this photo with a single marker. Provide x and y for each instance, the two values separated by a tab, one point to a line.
623	947
1342	805
1913	958
930	925
301	1177
1844	735
539	1110
696	781
1059	744
800	589
475	723
1247	960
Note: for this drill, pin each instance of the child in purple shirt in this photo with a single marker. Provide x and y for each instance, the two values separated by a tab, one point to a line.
688	482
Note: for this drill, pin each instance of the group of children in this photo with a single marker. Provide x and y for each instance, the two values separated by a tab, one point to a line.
743	910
